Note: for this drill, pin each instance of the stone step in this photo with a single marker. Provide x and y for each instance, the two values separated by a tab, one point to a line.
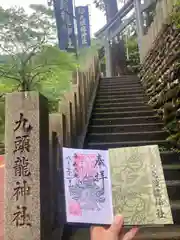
121	83
175	208
117	95
122	109
120	92
120	80
127	76
127	136
106	145
120	100
168	232
114	128
116	114
170	158
117	104
172	172
173	187
126	120
120	86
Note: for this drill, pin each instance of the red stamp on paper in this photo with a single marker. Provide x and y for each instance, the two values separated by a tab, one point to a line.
75	208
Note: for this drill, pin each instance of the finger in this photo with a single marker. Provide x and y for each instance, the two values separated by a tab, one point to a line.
96	232
131	234
117	224
96	229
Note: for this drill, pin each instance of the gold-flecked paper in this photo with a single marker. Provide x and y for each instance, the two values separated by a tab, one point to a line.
139	191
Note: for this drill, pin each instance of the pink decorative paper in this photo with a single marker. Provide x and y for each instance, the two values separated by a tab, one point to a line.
87	184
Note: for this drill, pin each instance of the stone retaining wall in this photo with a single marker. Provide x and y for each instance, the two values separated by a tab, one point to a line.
160	76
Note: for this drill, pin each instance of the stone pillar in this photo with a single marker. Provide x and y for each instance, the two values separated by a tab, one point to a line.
27	191
108	58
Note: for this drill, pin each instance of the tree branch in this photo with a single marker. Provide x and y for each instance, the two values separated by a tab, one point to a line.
32	53
37	74
6	75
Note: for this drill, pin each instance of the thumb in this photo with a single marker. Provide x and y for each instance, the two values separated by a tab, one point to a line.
117	225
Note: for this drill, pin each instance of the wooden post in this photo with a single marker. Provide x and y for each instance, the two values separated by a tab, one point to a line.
53	144
81	84
84	80
71	97
27	187
74	77
57	131
65	107
56	121
79	120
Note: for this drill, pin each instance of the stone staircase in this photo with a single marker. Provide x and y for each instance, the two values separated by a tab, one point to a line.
121	117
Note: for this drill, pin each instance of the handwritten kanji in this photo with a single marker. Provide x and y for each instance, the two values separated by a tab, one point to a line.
99	176
160	213
99	161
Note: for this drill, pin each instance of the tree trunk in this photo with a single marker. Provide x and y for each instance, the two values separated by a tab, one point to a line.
118	53
111	9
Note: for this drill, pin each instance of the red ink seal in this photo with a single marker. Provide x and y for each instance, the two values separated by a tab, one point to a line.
75	209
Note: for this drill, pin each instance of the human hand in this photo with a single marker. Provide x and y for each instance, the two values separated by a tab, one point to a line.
114	232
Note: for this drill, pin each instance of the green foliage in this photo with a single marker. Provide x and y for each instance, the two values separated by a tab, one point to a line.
100	4
132	53
174	137
88	53
160	77
24	39
29	58
134	59
172	126
175	16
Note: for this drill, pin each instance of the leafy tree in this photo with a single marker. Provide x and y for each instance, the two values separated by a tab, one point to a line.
175	15
30	59
28	41
132	50
133	60
100	4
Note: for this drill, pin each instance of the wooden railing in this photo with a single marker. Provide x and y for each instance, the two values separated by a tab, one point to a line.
163	10
71	121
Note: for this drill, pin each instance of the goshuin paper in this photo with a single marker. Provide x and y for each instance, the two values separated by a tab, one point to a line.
128	181
87	186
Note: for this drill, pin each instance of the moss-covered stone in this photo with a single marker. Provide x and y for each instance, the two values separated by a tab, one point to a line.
160	76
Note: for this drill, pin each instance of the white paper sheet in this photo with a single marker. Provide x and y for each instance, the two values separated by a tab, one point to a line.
87	186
